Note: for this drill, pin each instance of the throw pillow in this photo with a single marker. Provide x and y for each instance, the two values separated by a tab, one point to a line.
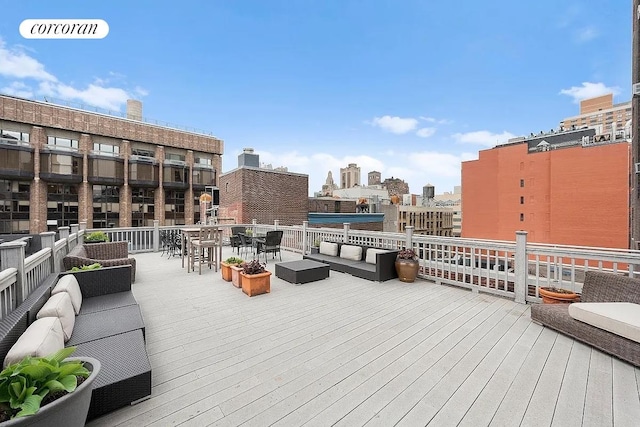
59	305
371	255
69	284
327	248
42	337
351	252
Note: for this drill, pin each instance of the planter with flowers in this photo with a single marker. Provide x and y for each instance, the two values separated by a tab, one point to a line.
255	279
407	265
553	295
226	268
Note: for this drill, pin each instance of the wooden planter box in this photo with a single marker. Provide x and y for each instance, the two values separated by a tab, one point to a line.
226	271
256	284
236	278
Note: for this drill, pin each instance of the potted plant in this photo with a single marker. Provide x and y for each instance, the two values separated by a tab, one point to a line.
225	267
47	391
407	265
94	266
96	237
554	295
316	246
255	279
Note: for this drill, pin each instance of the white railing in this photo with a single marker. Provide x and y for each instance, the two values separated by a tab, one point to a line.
8	283
36	268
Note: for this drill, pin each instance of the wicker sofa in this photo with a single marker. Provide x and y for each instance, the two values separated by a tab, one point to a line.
598	287
108	254
109	327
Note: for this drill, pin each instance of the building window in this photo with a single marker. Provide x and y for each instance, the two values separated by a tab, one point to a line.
62	204
522	183
337	207
14	206
12	136
106	206
522	200
521	217
108	149
142	152
65	143
142	206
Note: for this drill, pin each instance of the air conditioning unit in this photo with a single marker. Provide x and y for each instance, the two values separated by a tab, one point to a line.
637	167
636	89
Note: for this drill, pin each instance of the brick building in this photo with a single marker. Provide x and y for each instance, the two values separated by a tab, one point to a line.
248	193
395	186
331	205
567	188
425	220
62	165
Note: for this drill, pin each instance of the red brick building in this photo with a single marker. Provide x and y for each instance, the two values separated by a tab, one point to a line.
562	188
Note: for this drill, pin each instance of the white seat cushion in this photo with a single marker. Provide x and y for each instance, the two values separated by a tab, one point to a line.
69	284
351	252
59	305
42	338
371	255
328	248
620	318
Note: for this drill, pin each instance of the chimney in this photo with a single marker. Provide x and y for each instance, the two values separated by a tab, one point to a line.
134	109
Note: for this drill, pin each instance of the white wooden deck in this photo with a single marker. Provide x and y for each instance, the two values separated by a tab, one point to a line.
350	352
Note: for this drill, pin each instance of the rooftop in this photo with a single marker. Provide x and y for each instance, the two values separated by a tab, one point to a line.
353	352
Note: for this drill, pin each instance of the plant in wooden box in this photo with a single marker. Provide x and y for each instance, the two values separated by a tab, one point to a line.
47	391
96	237
255	279
553	295
226	268
407	265
316	246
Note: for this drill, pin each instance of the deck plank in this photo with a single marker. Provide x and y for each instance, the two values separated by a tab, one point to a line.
353	352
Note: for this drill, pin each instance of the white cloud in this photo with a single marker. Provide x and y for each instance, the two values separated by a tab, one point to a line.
425	132
589	90
434	120
586	34
15	63
397	125
141	91
18	89
111	98
483	137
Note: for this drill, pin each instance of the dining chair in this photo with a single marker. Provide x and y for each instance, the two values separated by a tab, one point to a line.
270	244
205	247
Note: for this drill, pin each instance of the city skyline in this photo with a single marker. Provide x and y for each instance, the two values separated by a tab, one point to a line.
393	87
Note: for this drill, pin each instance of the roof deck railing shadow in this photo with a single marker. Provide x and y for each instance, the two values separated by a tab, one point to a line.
512	269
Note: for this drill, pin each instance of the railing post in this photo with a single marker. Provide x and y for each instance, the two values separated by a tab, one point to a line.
48	240
305	238
12	255
75	228
346	232
64	234
409	237
276	223
521	267
254	222
156	235
83	225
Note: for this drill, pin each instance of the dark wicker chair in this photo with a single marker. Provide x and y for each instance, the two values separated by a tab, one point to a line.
107	254
597	287
235	237
270	244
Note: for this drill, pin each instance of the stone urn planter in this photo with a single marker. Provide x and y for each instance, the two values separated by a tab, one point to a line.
407	266
69	410
553	295
255	279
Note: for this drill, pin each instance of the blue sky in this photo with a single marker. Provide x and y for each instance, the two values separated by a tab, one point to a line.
409	88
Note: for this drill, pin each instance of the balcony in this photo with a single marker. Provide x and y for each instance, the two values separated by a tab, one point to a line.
203	177
143	172
16	162
106	170
175	176
60	166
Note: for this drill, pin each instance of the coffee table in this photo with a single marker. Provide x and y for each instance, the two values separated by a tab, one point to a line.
303	271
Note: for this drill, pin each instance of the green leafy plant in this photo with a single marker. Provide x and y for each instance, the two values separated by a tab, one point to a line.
97	236
316	243
25	384
93	266
233	260
248	232
253	267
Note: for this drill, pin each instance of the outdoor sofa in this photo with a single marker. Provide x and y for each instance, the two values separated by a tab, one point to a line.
109	327
360	261
598	287
107	254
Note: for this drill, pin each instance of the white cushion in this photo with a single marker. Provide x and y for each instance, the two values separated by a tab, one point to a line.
351	252
59	305
620	318
42	338
69	284
328	248
371	255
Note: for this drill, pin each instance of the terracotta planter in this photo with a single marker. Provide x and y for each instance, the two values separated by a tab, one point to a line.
407	269
226	271
236	277
256	284
550	296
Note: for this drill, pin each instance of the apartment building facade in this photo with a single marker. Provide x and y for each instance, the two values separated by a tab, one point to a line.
424	220
563	188
601	113
61	165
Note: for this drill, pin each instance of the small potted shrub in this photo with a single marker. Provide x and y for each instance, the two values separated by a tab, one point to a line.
255	279
226	268
407	265
93	266
553	295
47	391
96	237
316	246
